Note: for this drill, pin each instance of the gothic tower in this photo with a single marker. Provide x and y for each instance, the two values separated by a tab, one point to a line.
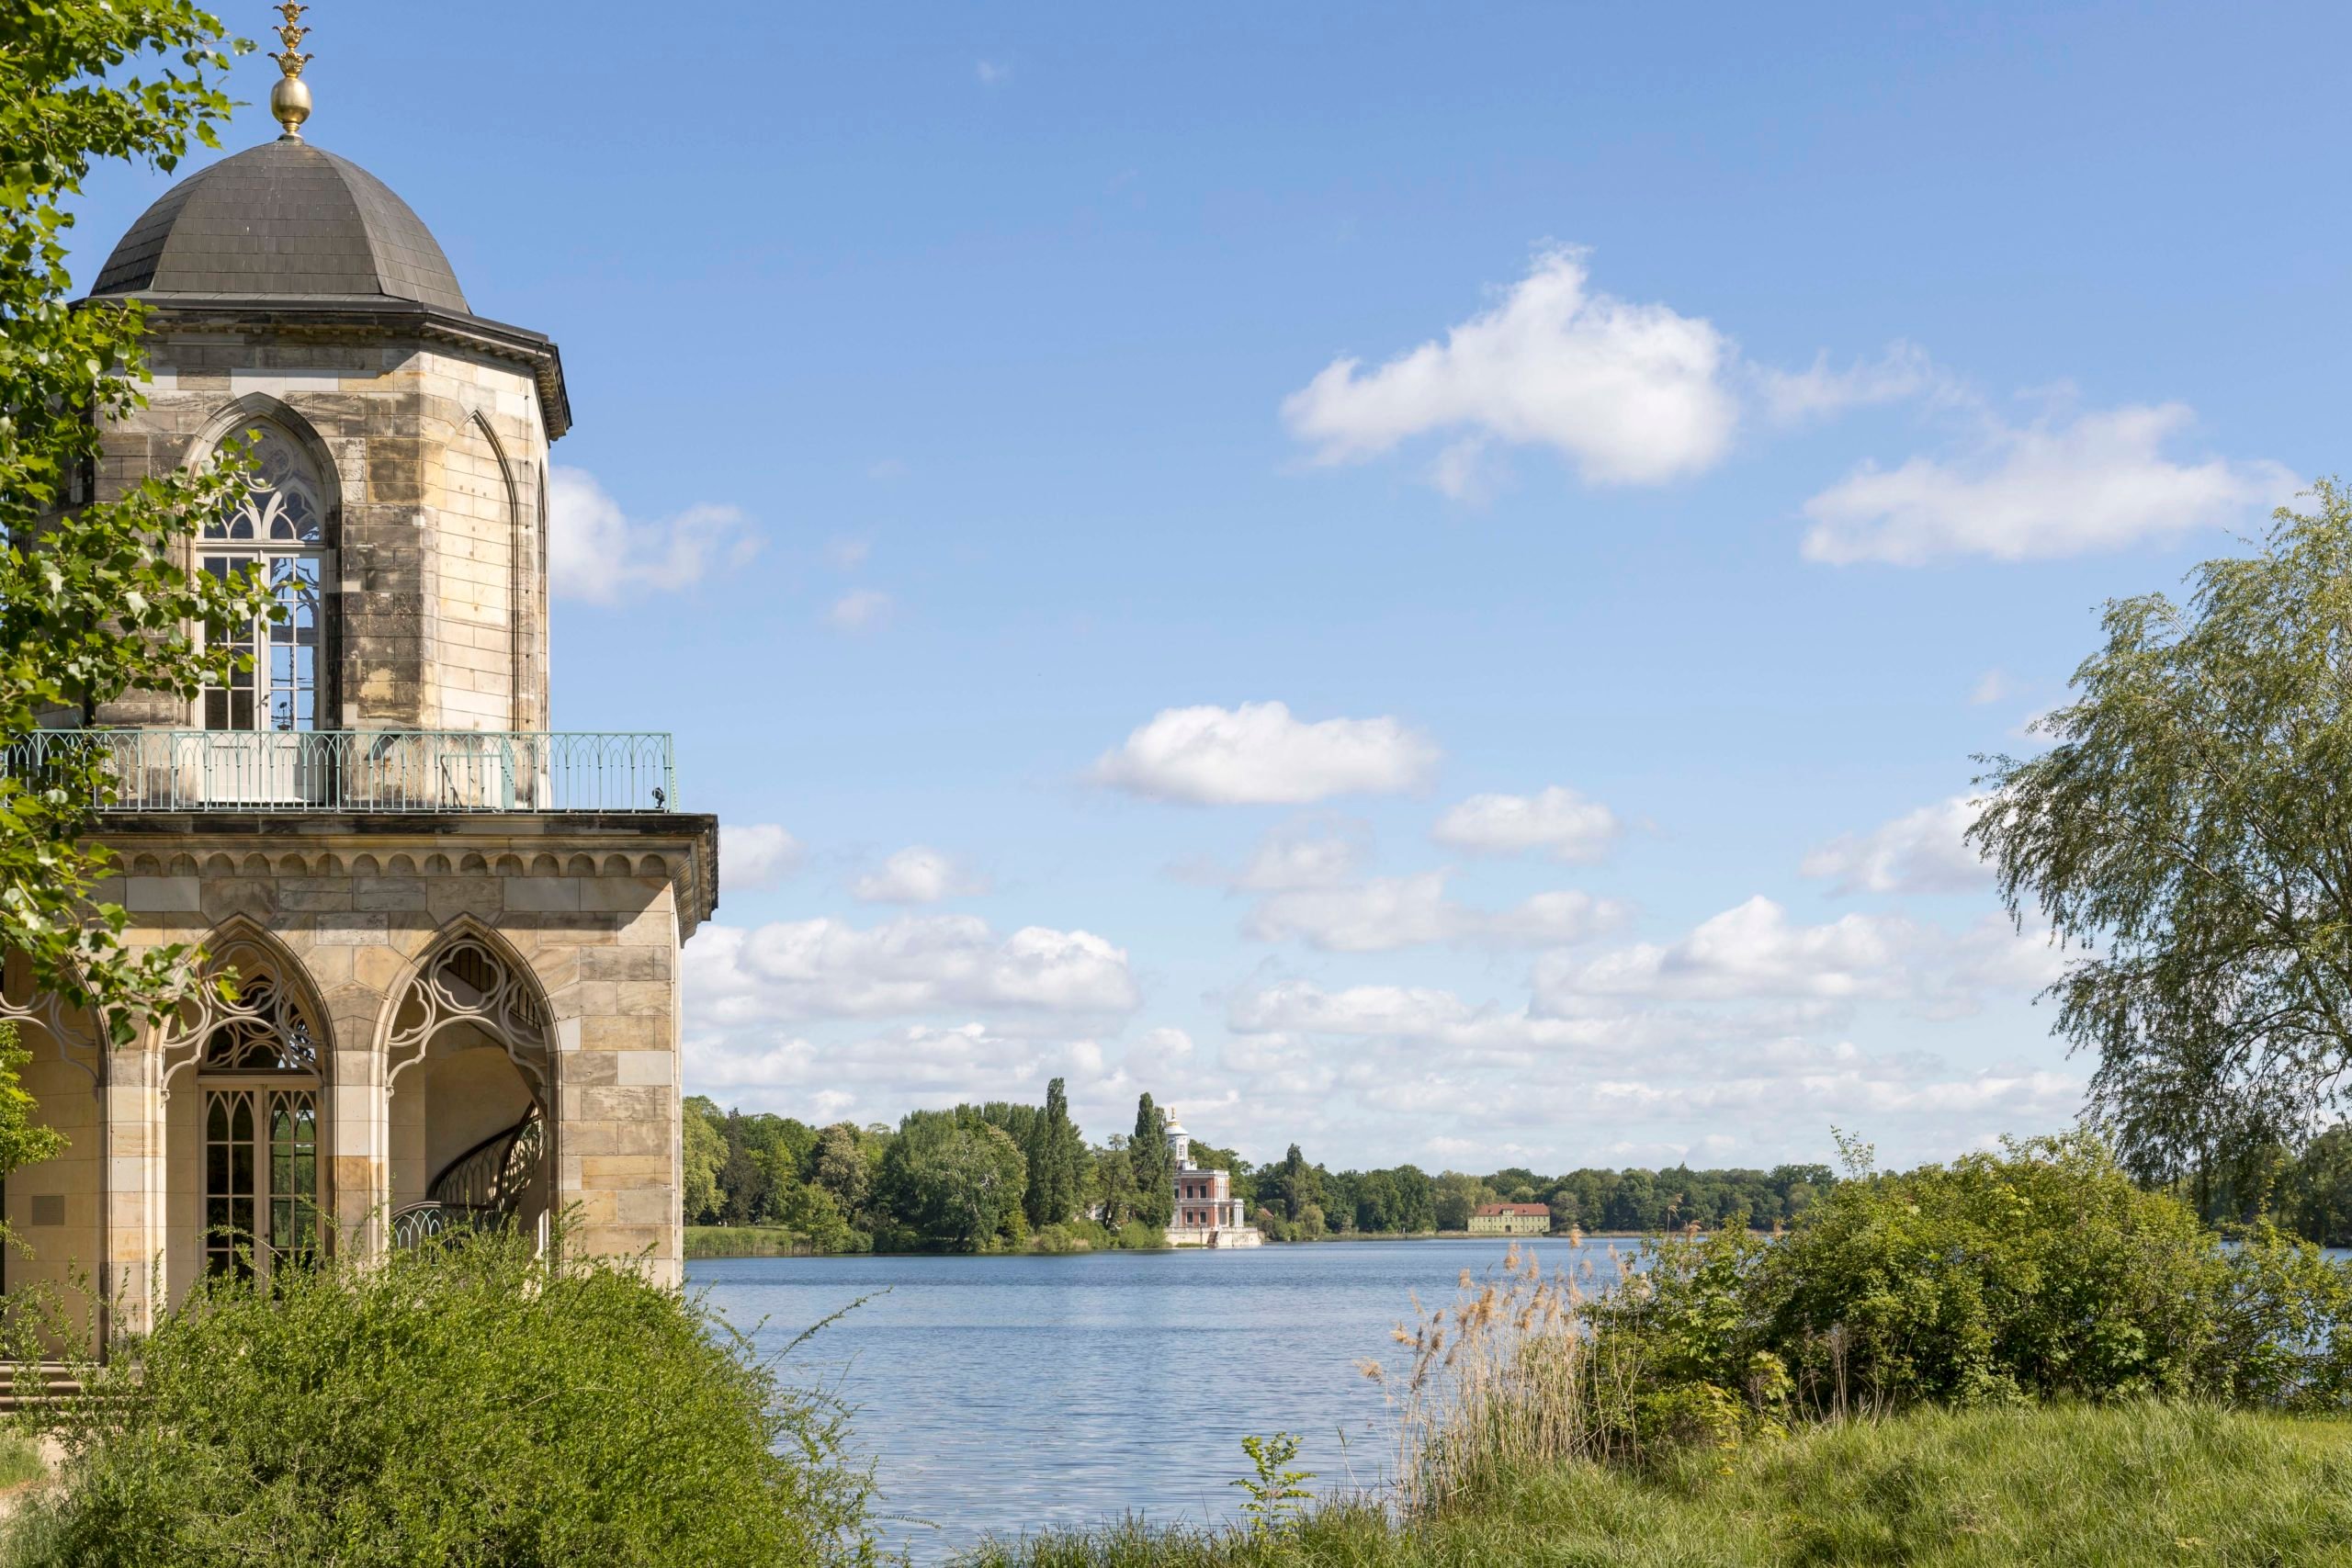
455	933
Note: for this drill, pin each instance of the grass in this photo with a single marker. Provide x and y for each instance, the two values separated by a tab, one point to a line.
2129	1485
20	1460
744	1241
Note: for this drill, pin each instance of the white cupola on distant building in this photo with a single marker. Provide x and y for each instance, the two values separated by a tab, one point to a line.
1179	1143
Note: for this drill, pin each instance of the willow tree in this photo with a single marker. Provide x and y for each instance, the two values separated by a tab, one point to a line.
92	603
2188	834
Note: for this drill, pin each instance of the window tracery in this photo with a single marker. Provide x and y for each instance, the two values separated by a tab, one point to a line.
469	981
245	1018
251	1035
276	528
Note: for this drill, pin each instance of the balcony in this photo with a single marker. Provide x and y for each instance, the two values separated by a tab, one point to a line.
362	771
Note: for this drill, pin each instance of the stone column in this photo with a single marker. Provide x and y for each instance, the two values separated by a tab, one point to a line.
131	1206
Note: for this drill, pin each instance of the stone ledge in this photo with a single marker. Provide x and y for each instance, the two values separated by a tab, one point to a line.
431	844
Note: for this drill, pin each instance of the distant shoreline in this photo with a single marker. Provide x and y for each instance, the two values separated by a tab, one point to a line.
719	1243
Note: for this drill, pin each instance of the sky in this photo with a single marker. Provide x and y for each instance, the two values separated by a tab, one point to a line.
1420	580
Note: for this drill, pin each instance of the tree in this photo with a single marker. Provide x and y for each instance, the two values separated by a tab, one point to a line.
2190	832
2318	1197
1154	1165
743	1183
1293	1183
91	605
702	1151
1115	1183
953	1178
1055	1150
1456	1198
839	1167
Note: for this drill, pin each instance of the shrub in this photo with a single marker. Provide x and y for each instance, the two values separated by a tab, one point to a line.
464	1403
1137	1237
746	1241
2037	1273
1070	1235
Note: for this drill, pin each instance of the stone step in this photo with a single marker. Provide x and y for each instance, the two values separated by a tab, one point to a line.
48	1384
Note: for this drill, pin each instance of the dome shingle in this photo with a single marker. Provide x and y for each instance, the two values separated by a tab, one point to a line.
282	221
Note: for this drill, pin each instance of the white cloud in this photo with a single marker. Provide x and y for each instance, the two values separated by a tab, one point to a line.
1378	916
991	73
847	553
1991	687
1919	852
1391	912
753	855
598	553
1630	394
1755	953
881	1075
1424	1062
1754	949
916	875
858	610
1902	372
1559	820
2045	489
1257	754
916	964
1289	859
1161	1048
1322	852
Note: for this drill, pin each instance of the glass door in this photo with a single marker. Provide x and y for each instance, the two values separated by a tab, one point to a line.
261	1179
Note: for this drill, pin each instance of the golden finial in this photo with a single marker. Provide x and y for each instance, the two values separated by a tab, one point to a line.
289	101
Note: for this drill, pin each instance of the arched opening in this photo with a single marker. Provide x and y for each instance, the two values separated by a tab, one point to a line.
468	1056
245	1117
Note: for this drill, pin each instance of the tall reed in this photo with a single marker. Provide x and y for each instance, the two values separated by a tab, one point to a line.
1509	1378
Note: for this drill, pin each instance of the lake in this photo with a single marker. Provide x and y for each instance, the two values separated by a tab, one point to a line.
1002	1394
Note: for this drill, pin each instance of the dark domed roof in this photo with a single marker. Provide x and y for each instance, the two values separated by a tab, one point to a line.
283	221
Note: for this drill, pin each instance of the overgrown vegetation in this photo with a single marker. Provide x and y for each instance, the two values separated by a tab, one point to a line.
2039	1274
91	603
2017	1357
465	1404
2114	1486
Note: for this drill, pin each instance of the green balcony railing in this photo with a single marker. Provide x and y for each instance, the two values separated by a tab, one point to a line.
370	771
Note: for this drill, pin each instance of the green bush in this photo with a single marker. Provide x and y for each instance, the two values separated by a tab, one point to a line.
2037	1273
1137	1237
1070	1235
746	1241
462	1404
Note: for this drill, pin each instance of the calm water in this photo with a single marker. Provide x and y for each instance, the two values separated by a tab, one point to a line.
1002	1394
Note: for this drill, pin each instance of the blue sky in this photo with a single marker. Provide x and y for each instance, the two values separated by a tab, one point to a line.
1644	452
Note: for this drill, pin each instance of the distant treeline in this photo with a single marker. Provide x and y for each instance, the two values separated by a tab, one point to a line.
2306	1190
1009	1176
1298	1202
978	1178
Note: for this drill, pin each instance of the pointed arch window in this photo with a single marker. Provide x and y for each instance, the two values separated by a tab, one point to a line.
277	527
257	1069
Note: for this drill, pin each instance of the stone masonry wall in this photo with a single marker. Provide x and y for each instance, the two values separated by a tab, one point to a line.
438	456
596	918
